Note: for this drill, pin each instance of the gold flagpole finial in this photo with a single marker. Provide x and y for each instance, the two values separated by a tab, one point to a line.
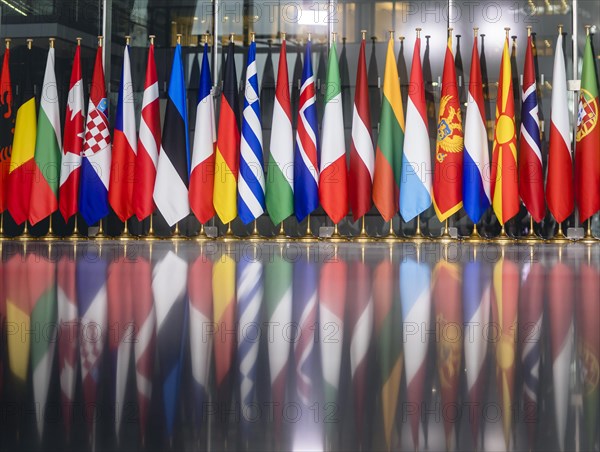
283	35
475	31
587	29
450	30
52	41
231	37
100	38
529	30
252	36
179	35
127	40
7	42
309	37
507	30
29	43
78	41
363	33
401	38
560	29
203	38
152	38
391	34
418	32
334	36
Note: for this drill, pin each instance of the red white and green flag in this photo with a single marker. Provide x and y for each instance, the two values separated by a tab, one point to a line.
44	191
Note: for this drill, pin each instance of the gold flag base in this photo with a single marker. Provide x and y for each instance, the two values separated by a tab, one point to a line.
559	237
588	238
363	237
418	238
503	238
255	236
532	238
445	238
391	237
281	236
177	236
228	236
308	236
25	236
336	237
475	237
202	237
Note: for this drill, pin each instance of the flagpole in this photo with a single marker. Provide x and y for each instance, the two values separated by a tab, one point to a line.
589	238
363	237
281	236
531	237
254	236
7	42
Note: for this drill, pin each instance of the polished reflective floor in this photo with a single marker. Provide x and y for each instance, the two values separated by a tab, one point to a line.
165	346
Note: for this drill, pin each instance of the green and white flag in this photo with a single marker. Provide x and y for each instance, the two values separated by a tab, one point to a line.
280	171
44	192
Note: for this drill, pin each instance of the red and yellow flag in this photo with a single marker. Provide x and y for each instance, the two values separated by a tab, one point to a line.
447	180
505	183
22	163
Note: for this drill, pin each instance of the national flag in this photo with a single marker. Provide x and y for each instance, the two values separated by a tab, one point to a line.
201	336
203	154
588	313
305	309
531	172
250	289
148	146
504	315
360	319
415	186
68	317
120	284
7	126
42	286
416	311
333	279
333	177
447	299
97	153
504	177
389	346
306	155
70	169
144	347
228	144
223	283
124	150
388	156
476	181
251	179
559	186
587	159
172	173
279	195
362	155
44	191
477	281
278	304
531	321
169	284
22	162
93	326
448	176
562	330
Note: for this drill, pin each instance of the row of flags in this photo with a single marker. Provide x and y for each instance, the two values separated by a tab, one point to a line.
223	173
341	333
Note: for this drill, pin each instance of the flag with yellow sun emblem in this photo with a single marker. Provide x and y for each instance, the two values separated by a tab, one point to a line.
505	184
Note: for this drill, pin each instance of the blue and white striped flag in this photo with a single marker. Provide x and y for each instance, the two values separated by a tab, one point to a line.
251	179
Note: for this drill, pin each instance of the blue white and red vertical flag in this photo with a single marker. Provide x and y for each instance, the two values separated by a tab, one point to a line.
306	156
96	161
476	164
